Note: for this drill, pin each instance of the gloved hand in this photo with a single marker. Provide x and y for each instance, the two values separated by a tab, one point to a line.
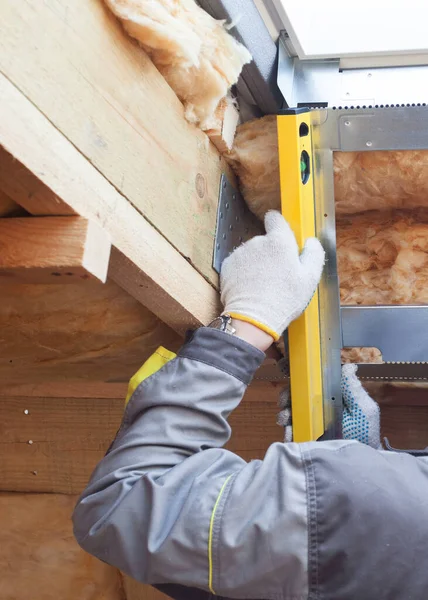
267	282
284	416
361	414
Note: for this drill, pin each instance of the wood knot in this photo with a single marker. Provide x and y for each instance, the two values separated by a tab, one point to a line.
200	185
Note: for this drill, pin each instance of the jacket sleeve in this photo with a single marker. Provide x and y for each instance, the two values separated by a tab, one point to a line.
154	505
169	505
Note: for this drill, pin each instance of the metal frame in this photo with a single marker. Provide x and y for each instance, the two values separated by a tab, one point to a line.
400	332
324	83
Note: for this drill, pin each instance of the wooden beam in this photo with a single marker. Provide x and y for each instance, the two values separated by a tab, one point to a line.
143	262
74	62
70	435
27	190
86	333
52	250
7	205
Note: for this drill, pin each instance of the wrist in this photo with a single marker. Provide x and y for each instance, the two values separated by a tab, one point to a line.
252	335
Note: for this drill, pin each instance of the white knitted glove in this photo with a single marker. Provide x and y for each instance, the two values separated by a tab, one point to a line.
267	282
361	414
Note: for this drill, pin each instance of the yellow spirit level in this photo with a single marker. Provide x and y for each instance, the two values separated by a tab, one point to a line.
298	207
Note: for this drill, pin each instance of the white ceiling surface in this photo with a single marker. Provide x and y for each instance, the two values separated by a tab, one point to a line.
340	28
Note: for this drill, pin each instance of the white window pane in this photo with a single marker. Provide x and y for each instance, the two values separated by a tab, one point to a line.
336	28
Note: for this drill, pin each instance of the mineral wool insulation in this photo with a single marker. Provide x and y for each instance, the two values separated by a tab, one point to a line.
381	210
194	52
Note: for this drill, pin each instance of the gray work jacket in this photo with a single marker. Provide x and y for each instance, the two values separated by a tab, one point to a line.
321	521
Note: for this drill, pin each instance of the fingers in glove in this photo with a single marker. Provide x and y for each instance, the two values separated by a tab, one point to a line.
353	392
277	225
312	259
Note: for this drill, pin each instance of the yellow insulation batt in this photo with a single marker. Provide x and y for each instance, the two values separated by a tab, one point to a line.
254	158
194	52
380	180
362	180
383	257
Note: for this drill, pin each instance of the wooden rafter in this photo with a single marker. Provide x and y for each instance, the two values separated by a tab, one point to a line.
89	127
50	176
52	250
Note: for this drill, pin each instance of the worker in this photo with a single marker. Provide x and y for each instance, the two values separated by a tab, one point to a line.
169	506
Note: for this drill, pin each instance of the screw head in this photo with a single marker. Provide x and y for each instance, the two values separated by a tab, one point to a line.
30	442
26	411
369	144
347	123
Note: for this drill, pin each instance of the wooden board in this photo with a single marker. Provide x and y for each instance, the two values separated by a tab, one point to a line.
70	435
143	262
74	62
406	427
137	591
398	393
95	332
7	205
52	250
39	557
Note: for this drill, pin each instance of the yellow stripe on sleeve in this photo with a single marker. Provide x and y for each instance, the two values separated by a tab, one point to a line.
210	537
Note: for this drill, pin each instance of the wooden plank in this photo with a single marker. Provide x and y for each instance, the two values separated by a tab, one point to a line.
27	190
406	427
143	262
138	591
52	250
65	389
57	444
75	63
70	435
7	205
57	333
40	558
398	393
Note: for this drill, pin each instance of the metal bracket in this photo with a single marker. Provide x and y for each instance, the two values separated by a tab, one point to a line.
235	222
